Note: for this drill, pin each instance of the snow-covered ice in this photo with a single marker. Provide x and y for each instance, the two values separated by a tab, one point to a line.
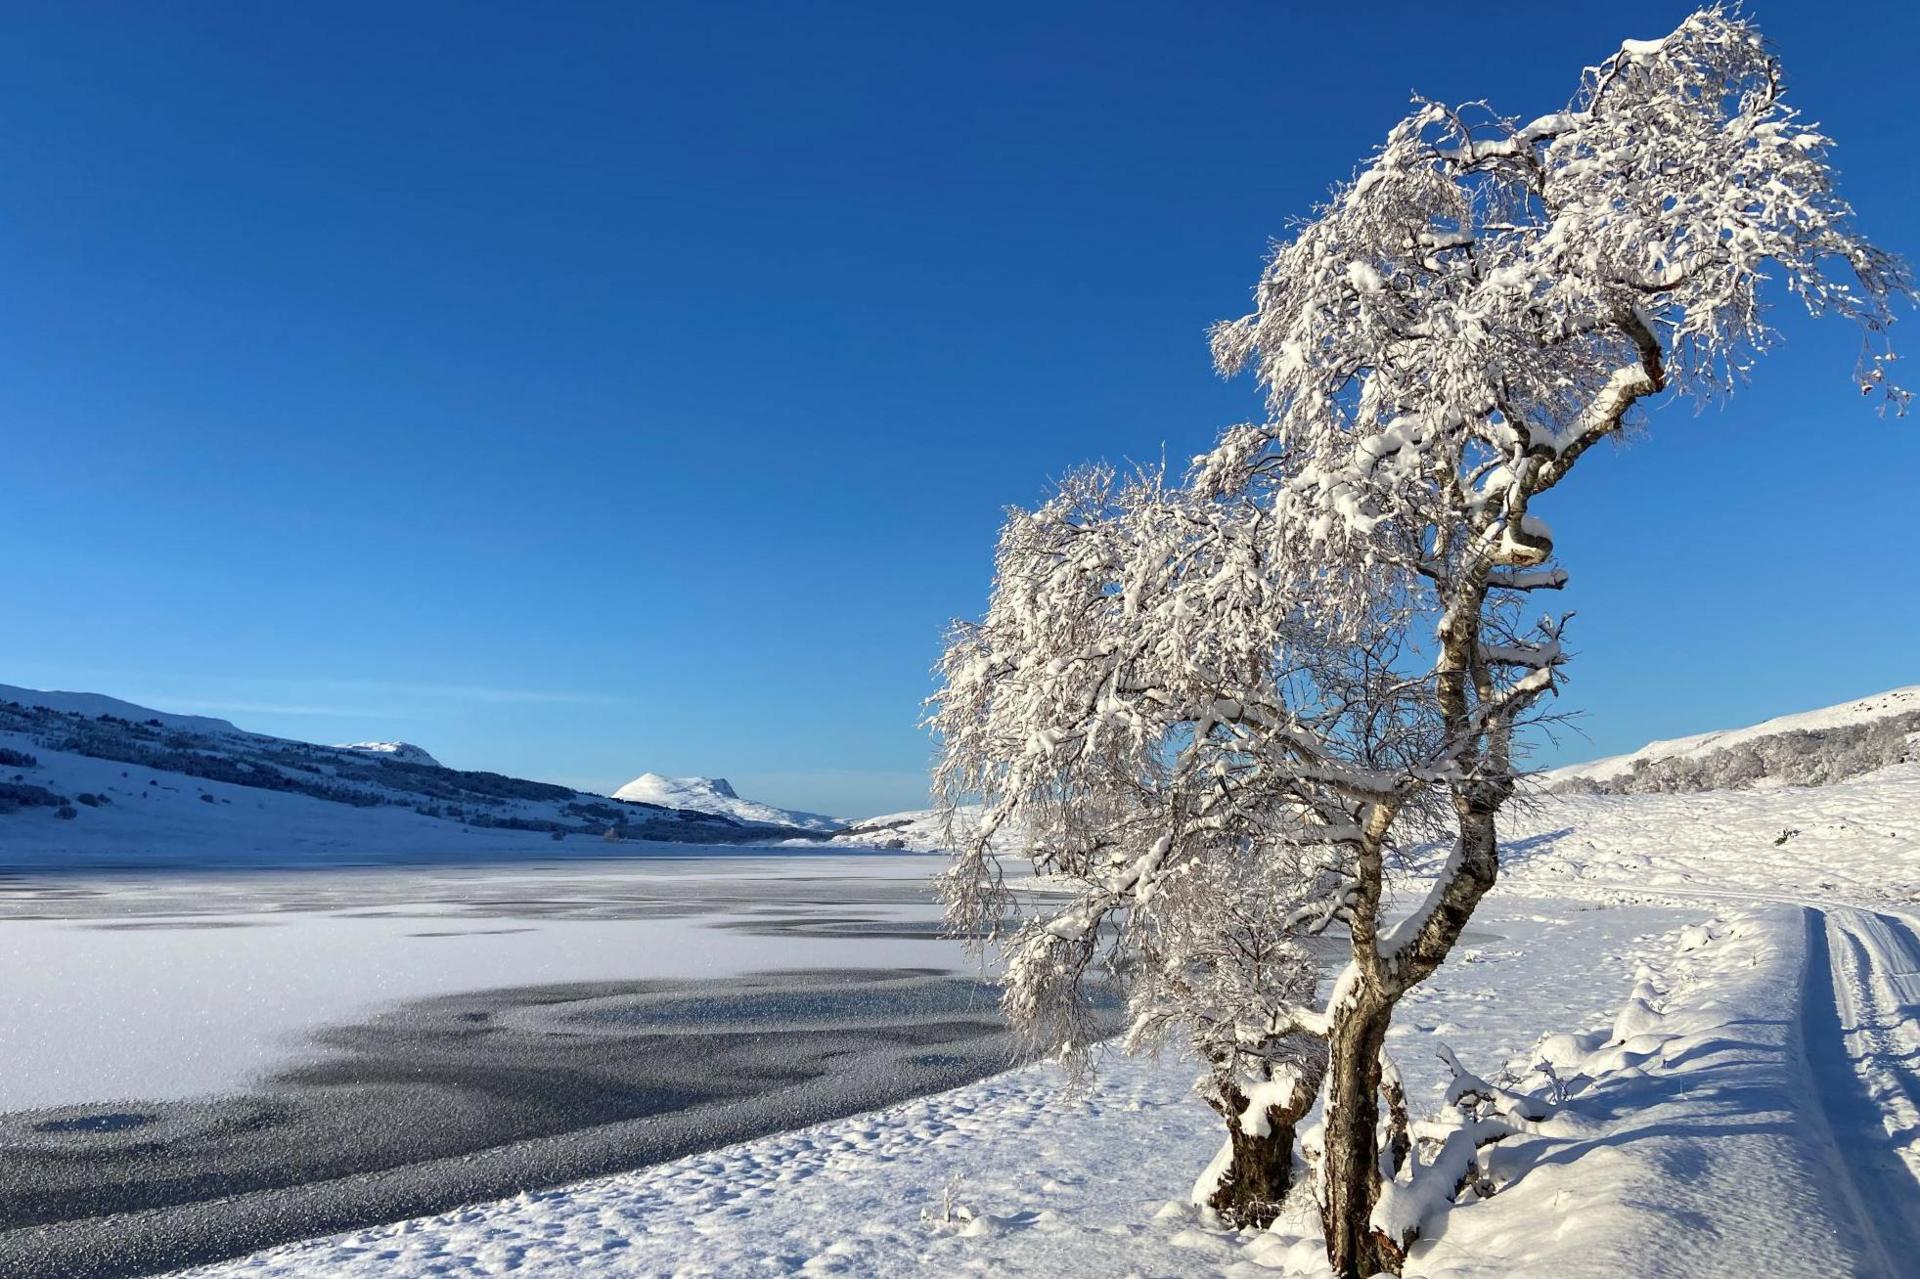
196	984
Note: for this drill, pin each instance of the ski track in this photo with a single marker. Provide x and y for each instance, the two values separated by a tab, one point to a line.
1861	1026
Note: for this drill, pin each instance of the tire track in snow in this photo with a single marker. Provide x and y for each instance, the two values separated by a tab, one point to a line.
1860	1022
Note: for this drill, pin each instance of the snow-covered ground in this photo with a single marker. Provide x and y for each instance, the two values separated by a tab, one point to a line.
1697	1143
1724	978
923	830
1853	841
1739	1035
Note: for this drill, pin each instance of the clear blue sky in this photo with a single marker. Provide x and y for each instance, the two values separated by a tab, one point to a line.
580	390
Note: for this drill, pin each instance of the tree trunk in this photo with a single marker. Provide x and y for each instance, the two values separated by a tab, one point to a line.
1351	1162
1256	1183
1351	1172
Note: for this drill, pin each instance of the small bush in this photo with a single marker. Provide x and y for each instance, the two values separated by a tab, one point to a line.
66	812
28	796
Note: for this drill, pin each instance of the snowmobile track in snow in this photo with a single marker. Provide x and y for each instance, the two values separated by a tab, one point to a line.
1861	1030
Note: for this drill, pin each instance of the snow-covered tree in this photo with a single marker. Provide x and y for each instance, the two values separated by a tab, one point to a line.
1312	650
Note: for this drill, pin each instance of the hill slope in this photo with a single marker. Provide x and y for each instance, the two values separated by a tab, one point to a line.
86	779
1811	748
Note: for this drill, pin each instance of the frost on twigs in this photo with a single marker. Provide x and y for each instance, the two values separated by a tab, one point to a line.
1229	700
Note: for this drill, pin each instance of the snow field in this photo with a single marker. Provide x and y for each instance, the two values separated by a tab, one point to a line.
1856	841
1692	1144
1004	1177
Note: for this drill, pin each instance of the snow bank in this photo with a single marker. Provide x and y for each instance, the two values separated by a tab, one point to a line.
1003	1177
1691	1144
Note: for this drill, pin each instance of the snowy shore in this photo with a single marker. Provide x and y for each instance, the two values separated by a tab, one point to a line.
1688	1142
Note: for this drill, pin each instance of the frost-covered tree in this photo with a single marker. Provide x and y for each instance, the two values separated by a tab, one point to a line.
1312	650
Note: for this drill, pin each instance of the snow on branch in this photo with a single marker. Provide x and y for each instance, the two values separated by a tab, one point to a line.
1208	712
1485	289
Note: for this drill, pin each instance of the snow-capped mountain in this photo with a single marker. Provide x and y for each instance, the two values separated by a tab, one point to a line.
716	795
1811	748
405	752
89	779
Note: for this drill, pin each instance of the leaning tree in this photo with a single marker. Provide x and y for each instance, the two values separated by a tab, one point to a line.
1261	683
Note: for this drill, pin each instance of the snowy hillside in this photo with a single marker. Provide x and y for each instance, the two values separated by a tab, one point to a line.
1810	748
924	830
94	705
716	795
920	831
87	779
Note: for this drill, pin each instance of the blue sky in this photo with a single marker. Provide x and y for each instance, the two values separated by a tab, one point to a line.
583	390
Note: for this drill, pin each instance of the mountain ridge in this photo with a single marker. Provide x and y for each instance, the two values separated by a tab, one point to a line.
91	779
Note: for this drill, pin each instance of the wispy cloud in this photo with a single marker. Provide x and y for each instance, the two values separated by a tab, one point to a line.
463	692
195	706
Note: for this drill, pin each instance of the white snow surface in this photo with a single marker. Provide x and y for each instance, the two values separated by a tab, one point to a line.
1693	1146
1856	841
716	795
1739	1045
1859	711
923	830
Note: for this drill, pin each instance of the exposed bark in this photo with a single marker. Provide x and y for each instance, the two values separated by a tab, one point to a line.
1351	1159
1399	1140
1256	1183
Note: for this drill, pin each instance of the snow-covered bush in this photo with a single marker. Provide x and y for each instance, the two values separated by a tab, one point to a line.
1315	646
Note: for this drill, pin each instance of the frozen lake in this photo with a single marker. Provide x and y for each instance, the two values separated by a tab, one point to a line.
179	985
196	1064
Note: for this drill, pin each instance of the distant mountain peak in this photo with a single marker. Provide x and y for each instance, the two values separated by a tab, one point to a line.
404	752
716	795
